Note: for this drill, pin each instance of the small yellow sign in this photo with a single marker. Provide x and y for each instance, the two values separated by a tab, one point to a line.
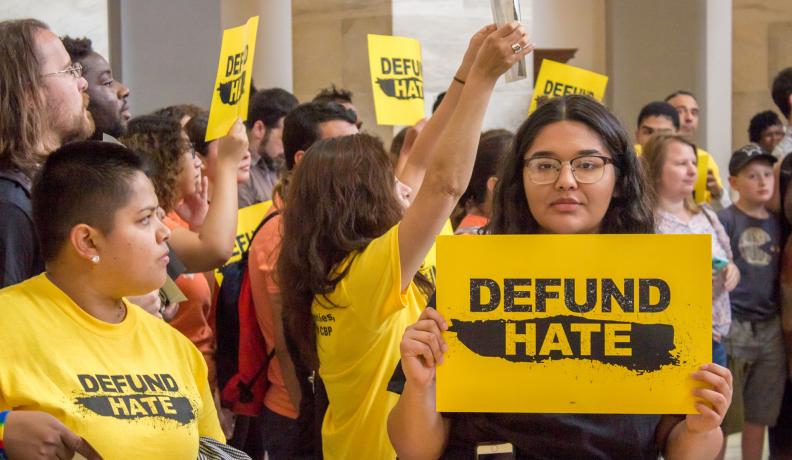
396	79
573	323
557	79
232	84
700	191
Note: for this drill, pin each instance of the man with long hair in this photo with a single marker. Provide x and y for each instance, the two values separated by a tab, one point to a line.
44	105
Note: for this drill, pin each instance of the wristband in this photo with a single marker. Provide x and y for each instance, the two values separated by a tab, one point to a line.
3	416
459	80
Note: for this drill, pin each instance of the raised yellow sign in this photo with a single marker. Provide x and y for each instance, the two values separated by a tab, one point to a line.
232	84
396	79
573	323
557	79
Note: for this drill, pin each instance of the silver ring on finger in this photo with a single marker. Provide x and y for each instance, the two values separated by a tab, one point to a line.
516	48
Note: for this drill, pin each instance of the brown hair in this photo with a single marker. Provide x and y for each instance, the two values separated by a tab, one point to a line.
159	141
340	199
653	159
23	121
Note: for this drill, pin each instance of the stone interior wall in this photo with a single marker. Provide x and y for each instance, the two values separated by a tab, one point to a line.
762	46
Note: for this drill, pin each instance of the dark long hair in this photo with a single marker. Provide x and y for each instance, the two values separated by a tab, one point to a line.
630	209
340	199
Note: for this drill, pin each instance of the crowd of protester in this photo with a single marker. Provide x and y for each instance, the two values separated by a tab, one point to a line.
101	211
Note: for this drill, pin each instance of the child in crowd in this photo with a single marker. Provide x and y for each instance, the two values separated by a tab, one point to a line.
755	343
534	192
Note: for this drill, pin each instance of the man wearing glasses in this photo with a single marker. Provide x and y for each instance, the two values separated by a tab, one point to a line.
43	105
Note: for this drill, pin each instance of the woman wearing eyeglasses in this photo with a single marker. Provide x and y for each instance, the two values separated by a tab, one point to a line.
571	170
670	162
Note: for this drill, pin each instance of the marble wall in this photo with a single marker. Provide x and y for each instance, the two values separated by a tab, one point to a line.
762	46
329	45
76	18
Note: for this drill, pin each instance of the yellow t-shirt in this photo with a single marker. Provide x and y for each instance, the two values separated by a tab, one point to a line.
701	181
137	389
358	346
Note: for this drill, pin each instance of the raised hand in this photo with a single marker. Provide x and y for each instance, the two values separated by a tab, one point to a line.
472	50
232	146
501	49
422	347
714	401
38	435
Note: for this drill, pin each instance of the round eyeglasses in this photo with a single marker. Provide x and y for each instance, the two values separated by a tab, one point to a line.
75	70
586	169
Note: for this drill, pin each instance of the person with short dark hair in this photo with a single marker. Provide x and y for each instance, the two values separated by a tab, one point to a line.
266	111
107	96
688	109
42	106
766	130
116	376
438	101
655	117
342	97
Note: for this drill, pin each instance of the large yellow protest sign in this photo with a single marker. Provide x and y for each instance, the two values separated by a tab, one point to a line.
396	79
232	84
557	79
573	323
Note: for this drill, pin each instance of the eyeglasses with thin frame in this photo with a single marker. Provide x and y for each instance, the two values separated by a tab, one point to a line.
76	71
586	169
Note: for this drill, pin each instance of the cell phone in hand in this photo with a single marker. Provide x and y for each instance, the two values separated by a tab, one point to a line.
719	263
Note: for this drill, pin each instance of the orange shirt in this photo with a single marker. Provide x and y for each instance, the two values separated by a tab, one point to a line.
192	318
263	257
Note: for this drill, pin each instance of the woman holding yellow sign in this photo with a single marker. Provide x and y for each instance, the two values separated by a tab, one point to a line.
571	170
365	236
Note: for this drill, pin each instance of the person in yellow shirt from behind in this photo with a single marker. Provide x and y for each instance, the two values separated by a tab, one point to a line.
662	117
355	238
82	366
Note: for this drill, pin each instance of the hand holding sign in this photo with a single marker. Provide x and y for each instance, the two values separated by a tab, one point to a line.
715	401
232	147
496	54
422	347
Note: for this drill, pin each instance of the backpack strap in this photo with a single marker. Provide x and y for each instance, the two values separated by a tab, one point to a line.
260	226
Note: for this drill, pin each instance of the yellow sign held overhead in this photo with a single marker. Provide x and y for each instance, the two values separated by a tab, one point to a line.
396	79
556	79
573	323
232	84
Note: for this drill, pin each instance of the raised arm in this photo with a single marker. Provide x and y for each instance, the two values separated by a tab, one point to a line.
455	149
212	244
420	156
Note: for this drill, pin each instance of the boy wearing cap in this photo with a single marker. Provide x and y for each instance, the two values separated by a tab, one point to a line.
755	343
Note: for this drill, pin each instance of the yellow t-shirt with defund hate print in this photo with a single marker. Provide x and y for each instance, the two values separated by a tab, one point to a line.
358	348
137	389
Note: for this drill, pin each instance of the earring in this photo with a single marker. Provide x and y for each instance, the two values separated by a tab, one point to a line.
95	259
